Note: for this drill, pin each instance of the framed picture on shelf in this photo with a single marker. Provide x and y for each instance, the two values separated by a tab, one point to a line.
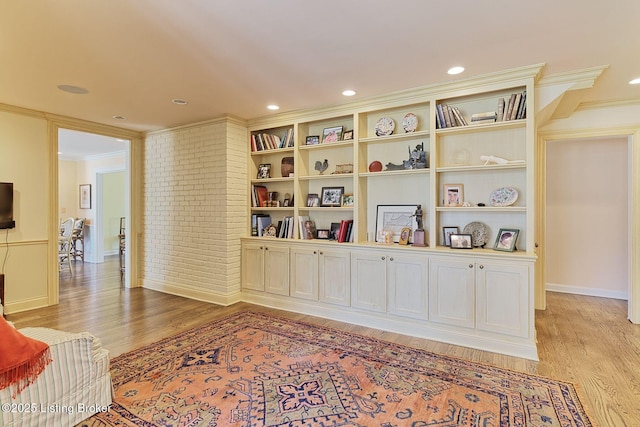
447	232
85	196
347	200
333	134
313	140
331	196
313	200
324	234
461	241
453	194
393	218
264	171
506	239
405	233
335	230
347	135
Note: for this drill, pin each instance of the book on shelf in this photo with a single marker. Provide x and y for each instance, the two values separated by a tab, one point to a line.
500	115
267	141
448	116
262	222
522	108
259	196
516	105
344	230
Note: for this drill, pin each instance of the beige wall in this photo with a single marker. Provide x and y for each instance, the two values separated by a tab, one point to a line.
68	190
113	208
587	212
24	160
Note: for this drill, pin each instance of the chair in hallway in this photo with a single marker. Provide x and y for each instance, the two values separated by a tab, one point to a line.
64	243
77	239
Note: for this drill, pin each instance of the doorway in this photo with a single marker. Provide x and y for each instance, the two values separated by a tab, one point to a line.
588	216
102	163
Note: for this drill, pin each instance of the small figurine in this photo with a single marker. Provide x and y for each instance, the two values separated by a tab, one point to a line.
418	215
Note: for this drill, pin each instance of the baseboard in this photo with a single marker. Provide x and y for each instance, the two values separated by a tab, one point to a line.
198	294
591	292
25	305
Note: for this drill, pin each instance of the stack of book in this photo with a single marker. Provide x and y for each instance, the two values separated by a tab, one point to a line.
345	232
515	108
448	116
259	196
268	141
482	118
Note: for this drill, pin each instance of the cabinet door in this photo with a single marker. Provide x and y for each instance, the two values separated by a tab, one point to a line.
368	281
408	281
503	303
334	276
304	273
276	269
253	266
451	291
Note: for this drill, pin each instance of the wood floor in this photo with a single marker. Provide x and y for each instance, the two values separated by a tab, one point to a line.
583	340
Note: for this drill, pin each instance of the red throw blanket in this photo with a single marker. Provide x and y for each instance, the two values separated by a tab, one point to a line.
22	359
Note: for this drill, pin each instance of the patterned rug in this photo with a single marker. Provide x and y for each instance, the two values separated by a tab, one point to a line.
253	369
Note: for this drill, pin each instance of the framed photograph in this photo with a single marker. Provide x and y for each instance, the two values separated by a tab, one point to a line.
313	200
85	196
331	196
461	241
313	140
333	134
506	239
393	218
405	233
264	171
453	194
335	229
324	234
447	232
347	135
347	200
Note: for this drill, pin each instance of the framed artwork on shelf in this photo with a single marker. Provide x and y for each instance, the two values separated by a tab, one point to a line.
453	194
347	200
461	241
333	134
331	196
324	234
347	135
392	219
313	140
447	232
313	200
85	196
506	239
264	171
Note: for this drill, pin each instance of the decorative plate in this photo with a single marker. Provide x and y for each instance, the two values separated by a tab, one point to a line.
410	122
375	166
479	233
505	196
385	126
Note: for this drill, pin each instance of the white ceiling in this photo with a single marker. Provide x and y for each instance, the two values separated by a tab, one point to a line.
235	57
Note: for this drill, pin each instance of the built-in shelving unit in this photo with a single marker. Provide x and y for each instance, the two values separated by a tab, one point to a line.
383	281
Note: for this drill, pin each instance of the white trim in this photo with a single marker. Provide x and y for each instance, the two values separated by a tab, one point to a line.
587	291
191	292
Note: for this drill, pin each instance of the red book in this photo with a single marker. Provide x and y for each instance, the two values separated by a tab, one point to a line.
342	233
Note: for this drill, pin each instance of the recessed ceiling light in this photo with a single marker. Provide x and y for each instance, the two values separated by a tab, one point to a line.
635	81
273	107
73	89
455	70
120	117
349	92
179	101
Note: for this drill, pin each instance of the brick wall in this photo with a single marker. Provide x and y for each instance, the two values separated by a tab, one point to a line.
194	210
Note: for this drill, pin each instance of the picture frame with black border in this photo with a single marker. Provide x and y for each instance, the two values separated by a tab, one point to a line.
323	234
446	234
312	140
461	241
333	232
264	171
331	196
506	239
347	135
332	134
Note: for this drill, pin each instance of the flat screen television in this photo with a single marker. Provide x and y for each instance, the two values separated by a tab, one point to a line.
6	205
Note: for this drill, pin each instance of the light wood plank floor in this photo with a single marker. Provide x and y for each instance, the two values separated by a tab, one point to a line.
583	340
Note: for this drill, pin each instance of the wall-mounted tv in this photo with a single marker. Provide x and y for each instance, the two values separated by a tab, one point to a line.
6	205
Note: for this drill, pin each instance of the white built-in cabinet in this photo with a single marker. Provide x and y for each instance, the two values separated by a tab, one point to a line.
481	297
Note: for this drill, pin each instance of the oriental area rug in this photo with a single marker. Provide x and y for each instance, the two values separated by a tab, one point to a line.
253	369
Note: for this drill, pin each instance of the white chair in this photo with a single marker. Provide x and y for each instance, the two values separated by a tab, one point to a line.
77	239
65	242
